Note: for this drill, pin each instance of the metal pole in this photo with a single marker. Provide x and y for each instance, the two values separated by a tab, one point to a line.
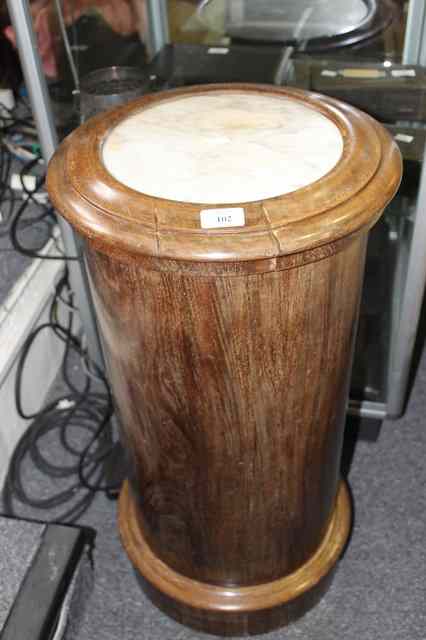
411	303
157	26
37	90
414	52
411	298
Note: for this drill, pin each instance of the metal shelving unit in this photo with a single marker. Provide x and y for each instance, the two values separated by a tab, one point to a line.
37	90
409	283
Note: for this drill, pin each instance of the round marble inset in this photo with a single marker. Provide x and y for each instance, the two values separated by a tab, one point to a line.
222	148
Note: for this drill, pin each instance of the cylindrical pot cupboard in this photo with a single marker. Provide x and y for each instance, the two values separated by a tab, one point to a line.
225	232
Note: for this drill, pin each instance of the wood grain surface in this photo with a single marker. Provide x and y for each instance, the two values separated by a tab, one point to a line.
232	395
228	610
120	220
229	354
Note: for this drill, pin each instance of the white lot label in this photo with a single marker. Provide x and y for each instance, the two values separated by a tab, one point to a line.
402	137
218	51
403	73
217	218
363	73
329	73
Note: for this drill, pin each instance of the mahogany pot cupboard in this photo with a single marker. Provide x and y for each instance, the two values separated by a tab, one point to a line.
225	229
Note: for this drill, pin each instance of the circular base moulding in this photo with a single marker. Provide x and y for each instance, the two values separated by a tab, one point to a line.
233	611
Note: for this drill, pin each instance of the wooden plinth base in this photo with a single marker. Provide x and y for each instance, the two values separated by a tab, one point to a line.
231	611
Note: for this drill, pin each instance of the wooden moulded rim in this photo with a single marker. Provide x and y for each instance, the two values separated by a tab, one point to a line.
119	219
241	599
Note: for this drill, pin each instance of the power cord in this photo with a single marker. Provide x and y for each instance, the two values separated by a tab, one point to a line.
88	410
15	145
15	220
46	216
7	195
82	414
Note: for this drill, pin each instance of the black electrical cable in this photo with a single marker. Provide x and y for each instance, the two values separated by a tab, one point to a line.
6	193
13	221
17	223
11	121
84	412
86	409
47	216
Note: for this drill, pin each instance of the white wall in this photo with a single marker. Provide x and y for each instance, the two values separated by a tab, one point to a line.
25	308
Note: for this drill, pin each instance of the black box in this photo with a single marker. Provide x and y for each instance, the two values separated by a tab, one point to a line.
178	65
45	578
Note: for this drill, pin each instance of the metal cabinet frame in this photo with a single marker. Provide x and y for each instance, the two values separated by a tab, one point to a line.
409	302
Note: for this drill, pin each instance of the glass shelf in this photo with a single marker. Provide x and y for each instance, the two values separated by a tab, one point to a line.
359	59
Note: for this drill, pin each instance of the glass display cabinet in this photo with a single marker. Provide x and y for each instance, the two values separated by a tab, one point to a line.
366	52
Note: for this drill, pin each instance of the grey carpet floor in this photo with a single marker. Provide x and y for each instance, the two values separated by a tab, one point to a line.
379	588
18	546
